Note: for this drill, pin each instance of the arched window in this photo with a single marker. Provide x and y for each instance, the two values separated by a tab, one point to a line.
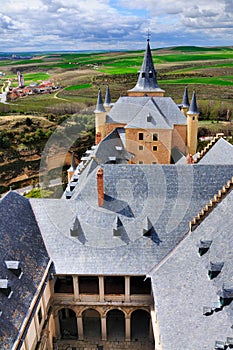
91	324
68	324
116	325
140	325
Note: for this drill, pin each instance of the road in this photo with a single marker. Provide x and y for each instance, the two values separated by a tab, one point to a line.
3	95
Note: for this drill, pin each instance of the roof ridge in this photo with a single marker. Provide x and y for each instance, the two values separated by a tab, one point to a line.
208	147
211	205
163	115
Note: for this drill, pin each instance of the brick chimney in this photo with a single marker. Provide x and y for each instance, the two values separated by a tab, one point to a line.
100	186
97	137
189	159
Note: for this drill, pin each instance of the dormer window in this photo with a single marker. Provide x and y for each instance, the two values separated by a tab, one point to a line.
219	345
215	269
15	267
226	295
149	117
5	287
204	246
143	74
150	74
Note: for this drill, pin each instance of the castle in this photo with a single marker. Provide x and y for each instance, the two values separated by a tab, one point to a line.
137	254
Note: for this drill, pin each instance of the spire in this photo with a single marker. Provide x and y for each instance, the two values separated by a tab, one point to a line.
99	104
185	101
147	79
107	101
193	107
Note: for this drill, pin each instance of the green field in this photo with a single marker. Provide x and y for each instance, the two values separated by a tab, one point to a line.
208	70
27	122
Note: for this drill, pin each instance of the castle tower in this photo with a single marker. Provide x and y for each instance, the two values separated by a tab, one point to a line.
147	79
185	102
100	119
192	126
107	101
20	79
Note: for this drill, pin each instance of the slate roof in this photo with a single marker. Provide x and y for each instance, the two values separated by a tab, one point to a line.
185	100
20	240
220	153
193	106
126	109
110	150
147	79
99	105
181	286
170	196
149	117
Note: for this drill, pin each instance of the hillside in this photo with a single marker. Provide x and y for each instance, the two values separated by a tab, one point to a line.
26	123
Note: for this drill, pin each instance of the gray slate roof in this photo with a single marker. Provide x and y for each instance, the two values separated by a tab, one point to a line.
20	241
147	79
220	153
170	196
157	119
127	108
182	287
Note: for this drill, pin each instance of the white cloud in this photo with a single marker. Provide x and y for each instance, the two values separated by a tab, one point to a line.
102	24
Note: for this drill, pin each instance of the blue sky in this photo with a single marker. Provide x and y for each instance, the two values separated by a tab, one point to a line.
45	25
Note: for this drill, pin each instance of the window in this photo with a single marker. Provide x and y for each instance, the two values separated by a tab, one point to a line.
155	148
140	147
64	284
140	162
140	285
154	162
155	137
39	315
114	285
88	284
193	118
143	74
150	74
140	135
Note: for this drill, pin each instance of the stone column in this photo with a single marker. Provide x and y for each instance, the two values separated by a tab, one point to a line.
127	328
76	288
57	325
80	327
103	328
127	289
101	288
151	333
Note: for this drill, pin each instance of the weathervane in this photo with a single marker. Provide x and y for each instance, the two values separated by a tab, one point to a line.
148	35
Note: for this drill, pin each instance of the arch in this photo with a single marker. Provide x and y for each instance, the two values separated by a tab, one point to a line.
91	324
110	308
68	323
115	325
140	325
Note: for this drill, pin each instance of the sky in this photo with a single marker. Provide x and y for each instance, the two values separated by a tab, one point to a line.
74	25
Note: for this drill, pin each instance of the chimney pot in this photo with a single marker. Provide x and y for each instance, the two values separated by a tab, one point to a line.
100	186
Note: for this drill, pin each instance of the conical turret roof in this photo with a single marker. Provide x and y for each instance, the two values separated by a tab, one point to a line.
147	79
193	107
99	105
185	101
107	101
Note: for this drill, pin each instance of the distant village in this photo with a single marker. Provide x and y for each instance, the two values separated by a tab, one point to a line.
45	87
